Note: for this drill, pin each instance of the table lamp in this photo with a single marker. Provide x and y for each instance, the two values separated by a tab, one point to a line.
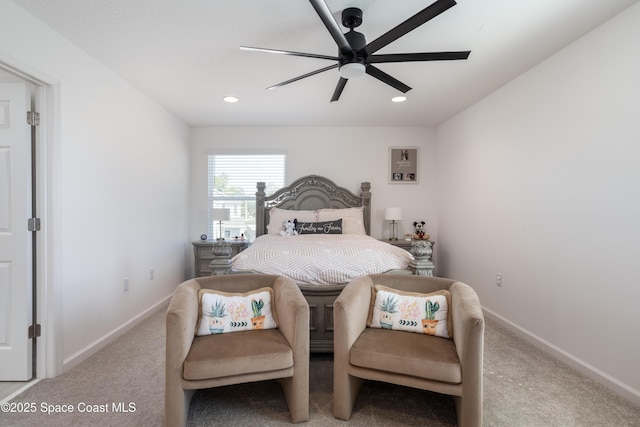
393	215
220	214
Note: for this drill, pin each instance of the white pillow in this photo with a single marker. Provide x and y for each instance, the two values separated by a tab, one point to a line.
278	216
222	312
352	219
411	311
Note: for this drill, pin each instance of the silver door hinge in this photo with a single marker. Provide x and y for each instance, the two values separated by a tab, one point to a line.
33	118
34	331
33	224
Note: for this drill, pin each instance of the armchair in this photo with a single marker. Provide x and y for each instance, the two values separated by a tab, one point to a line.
198	362
447	366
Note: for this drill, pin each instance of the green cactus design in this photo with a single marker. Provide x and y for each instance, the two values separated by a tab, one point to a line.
389	305
431	309
218	309
256	306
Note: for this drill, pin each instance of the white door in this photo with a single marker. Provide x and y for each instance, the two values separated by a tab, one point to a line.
15	239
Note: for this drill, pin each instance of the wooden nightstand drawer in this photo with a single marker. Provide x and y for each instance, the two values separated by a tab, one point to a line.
405	244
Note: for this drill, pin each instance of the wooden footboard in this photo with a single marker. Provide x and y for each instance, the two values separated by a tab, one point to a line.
320	299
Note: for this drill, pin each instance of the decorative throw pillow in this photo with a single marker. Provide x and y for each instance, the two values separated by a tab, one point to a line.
326	227
278	216
411	311
352	219
222	312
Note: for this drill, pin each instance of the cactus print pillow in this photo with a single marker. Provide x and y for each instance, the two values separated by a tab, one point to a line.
411	311
223	312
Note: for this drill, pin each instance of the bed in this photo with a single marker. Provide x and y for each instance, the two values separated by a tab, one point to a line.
318	198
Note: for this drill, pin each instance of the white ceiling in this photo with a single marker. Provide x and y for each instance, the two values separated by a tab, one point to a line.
185	54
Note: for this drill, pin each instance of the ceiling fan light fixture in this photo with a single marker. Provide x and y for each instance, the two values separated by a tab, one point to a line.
352	70
398	99
230	99
357	57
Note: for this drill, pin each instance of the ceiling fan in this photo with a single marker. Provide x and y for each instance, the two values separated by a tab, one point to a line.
356	56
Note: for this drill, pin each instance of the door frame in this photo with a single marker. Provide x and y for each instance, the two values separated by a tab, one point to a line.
47	197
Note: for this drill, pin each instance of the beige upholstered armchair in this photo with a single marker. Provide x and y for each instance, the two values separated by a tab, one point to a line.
448	366
197	362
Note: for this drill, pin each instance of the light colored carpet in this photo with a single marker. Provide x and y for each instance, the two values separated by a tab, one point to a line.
523	387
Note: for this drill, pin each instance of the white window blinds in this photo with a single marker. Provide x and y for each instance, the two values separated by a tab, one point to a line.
232	185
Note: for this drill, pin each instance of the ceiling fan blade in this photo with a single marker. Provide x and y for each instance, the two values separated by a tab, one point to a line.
339	88
386	78
410	24
313	73
411	57
288	52
329	21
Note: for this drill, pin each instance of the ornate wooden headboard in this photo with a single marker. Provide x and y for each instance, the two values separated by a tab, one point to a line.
311	192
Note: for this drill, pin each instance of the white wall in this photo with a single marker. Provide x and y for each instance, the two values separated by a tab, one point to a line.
121	203
347	155
539	182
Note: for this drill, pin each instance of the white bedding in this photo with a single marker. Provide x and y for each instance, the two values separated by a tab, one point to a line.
317	259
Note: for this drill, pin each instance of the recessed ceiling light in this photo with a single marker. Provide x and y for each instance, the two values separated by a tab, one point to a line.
230	99
399	99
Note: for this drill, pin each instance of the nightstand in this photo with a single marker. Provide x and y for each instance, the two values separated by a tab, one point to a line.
203	254
422	263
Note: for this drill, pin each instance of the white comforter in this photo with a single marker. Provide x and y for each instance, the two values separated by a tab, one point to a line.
321	259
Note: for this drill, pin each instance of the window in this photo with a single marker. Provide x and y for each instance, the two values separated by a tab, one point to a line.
232	185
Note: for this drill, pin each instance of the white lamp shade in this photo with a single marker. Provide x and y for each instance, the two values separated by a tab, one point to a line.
393	214
220	214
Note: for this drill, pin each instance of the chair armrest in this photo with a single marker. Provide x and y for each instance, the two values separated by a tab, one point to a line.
350	313
292	312
181	320
468	329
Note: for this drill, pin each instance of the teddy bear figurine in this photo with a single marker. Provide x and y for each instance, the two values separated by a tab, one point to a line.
419	233
289	228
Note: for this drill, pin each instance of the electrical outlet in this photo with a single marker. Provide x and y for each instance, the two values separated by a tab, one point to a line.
152	273
499	280
126	284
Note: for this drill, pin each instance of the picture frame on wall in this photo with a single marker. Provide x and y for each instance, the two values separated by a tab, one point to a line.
403	165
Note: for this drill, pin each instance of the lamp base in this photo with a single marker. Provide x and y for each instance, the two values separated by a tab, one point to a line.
221	236
393	237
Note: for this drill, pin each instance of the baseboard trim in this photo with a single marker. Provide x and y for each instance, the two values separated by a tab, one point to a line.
22	389
613	384
83	354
